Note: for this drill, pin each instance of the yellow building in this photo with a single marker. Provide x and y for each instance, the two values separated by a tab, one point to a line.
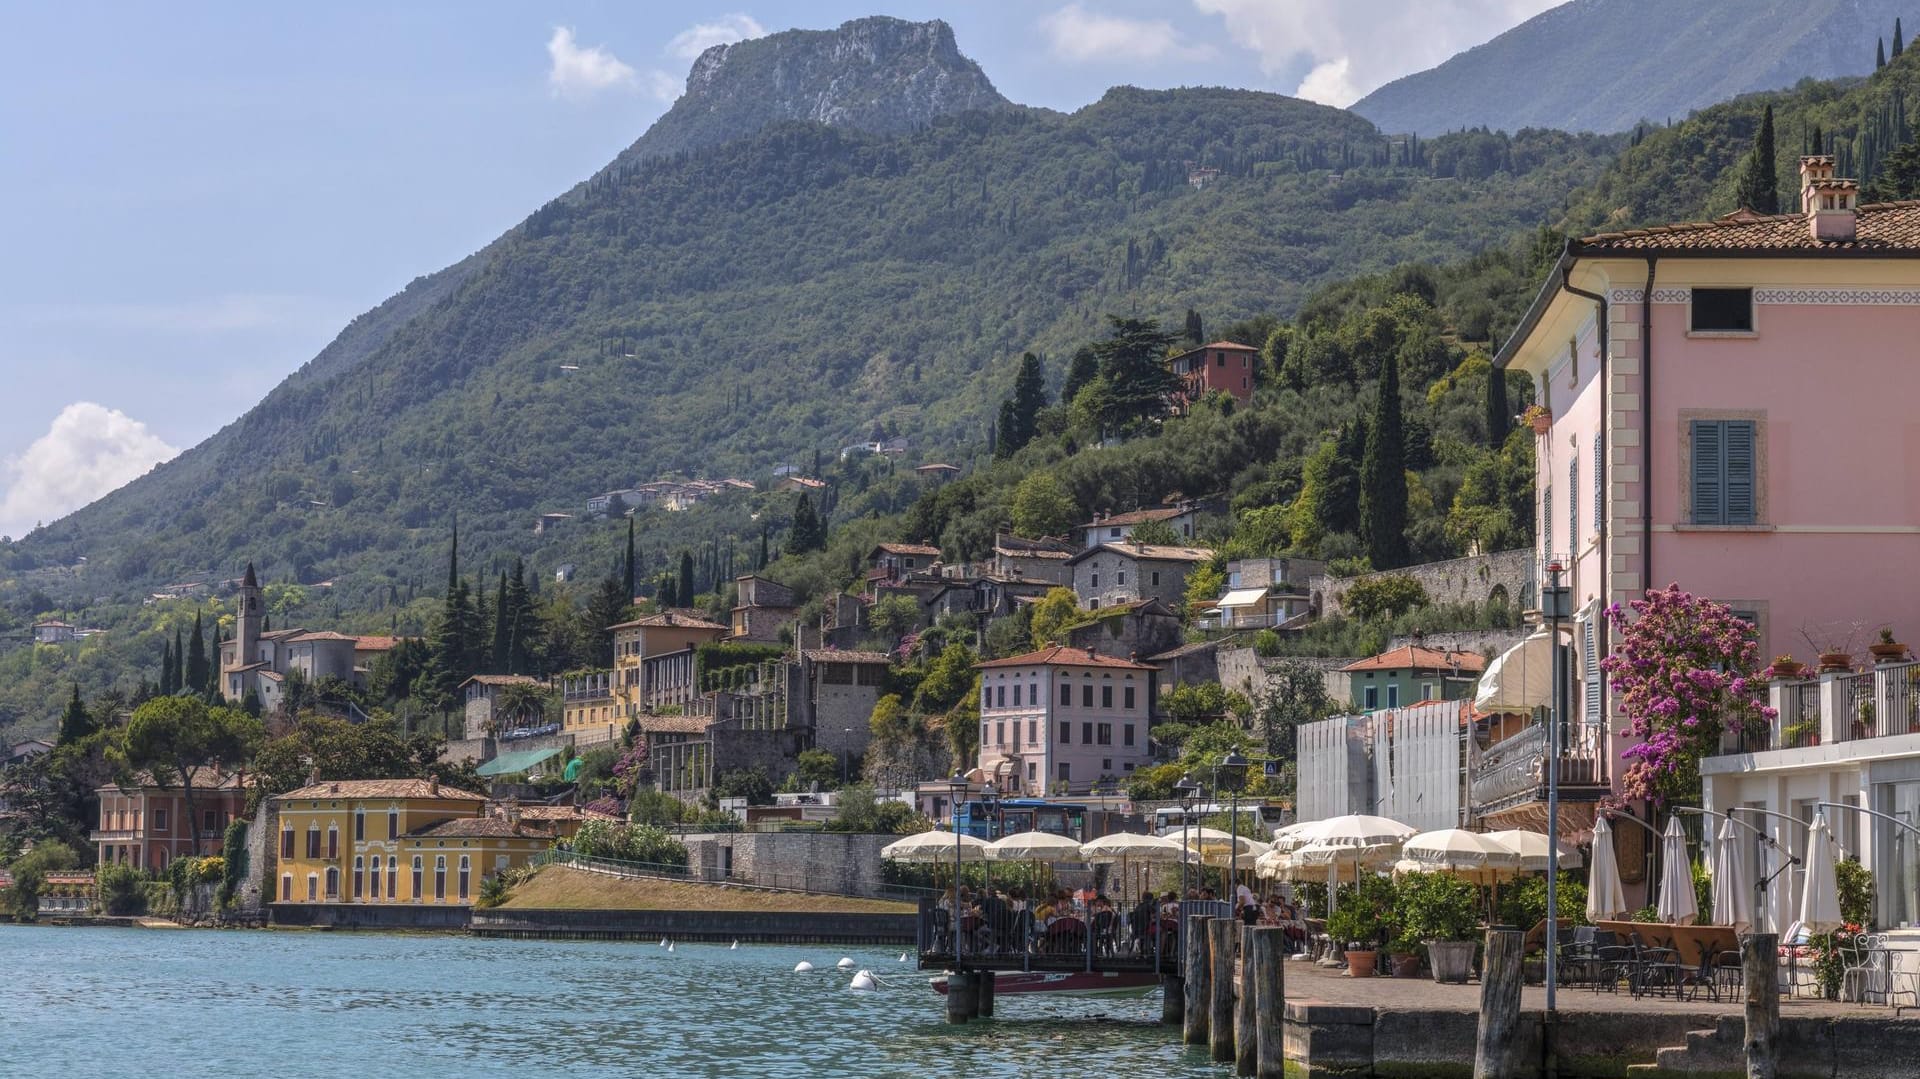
395	841
653	667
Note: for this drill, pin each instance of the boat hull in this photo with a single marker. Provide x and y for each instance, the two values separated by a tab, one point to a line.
1066	983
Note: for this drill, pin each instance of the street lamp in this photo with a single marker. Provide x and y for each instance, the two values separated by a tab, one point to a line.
1236	767
1188	792
956	789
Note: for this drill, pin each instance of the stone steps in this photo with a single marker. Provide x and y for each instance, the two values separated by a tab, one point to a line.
1716	1052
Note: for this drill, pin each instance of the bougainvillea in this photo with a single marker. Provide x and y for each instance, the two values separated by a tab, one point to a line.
628	770
1685	671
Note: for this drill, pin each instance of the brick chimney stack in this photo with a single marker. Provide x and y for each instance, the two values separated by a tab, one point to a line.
1828	201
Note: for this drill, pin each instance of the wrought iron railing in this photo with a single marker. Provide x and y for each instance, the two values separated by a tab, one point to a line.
1900	707
1799	716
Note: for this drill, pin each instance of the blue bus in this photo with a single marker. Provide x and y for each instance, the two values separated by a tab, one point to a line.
1075	820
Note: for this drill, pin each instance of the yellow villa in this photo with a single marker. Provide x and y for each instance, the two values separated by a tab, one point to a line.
396	841
653	668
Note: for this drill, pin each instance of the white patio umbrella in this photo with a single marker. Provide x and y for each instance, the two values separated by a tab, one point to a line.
1606	900
1220	854
1777	913
1199	838
1033	847
1519	679
1820	897
1473	855
1290	837
1677	905
1532	849
932	848
1732	887
1361	831
1131	846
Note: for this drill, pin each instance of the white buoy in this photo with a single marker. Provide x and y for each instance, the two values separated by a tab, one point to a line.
846	963
903	957
663	942
669	945
803	967
734	947
864	982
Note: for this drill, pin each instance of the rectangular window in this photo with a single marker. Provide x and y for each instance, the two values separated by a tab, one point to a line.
1372	698
313	842
1126	698
986	696
359	825
286	843
393	824
1086	695
1093	580
1599	484
1106	696
1426	692
999	696
1723	472
1066	773
1000	734
1066	694
1033	731
1156	578
1393	695
1033	695
159	820
1066	733
1120	578
359	879
1722	310
212	820
1126	734
1086	734
1033	771
1103	735
1016	694
1546	522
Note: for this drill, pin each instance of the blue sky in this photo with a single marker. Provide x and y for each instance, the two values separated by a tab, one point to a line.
199	195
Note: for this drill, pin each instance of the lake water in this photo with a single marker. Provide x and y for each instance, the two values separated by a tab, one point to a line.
325	1005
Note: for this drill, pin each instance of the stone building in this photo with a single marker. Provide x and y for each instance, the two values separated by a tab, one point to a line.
1111	573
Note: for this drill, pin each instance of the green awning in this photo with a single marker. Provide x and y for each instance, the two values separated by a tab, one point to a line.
508	763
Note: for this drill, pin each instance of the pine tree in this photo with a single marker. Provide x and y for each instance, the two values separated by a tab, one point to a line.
1899	41
686	589
1195	333
1759	189
1383	475
806	533
76	722
1499	412
631	580
1005	440
196	675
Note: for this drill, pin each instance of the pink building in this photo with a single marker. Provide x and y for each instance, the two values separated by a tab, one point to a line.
1729	411
1062	719
1224	365
145	825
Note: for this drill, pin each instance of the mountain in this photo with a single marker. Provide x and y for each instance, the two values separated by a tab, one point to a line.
879	75
1606	65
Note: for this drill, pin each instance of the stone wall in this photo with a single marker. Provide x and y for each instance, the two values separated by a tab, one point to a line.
1243	671
1460	580
370	916
263	860
841	862
1485	642
767	926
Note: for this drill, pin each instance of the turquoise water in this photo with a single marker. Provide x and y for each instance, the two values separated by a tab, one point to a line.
326	1005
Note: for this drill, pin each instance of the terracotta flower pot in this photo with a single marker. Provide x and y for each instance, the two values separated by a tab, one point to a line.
1888	653
1835	661
1406	965
1360	964
1786	674
1542	424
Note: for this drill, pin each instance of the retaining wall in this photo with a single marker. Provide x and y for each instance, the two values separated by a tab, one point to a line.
1456	580
786	927
367	916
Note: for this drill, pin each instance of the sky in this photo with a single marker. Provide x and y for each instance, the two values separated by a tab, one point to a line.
200	195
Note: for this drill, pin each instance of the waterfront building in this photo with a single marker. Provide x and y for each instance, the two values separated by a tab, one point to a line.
144	823
1063	720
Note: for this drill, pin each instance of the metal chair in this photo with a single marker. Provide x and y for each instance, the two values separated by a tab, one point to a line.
1867	975
1655	969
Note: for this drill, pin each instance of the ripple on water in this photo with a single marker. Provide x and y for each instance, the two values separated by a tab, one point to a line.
322	1005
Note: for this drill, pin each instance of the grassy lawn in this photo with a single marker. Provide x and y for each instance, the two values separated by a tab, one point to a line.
558	887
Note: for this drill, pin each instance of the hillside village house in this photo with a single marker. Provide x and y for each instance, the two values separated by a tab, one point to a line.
1118	527
1411	674
1264	593
653	667
1731	410
761	609
53	632
484	717
256	660
1043	560
1121	572
144	824
395	841
1225	366
1062	719
897	560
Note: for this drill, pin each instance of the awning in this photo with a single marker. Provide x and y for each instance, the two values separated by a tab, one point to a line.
1520	680
509	763
1244	597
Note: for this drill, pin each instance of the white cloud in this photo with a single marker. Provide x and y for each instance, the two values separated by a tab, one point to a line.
1352	47
583	72
1076	34
88	451
688	44
662	86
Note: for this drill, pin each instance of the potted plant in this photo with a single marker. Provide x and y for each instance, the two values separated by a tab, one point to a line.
1359	927
1404	951
1539	417
1439	909
1863	723
1786	668
1886	649
1804	733
1836	662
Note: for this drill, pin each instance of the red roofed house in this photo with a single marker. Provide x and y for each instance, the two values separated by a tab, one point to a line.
1117	527
145	824
900	559
1410	674
1062	720
1224	365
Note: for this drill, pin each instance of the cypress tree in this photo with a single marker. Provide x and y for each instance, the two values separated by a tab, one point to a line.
1499	412
685	589
196	678
501	645
1029	397
1383	475
479	632
1759	188
1879	53
806	533
1195	333
1005	441
166	669
630	580
523	622
1899	41
762	563
607	608
179	661
76	722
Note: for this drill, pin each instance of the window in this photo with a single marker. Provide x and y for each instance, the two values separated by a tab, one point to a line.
1033	771
1066	772
1103	735
986	696
286	887
1372	698
1573	503
1033	731
1546	521
1000	733
1126	698
359	877
1126	734
333	882
1426	692
1393	695
1599	484
393	824
999	696
416	877
1086	695
1722	310
333	842
466	873
359	825
1221	357
1106	696
1033	695
313	841
1723	472
286	843
373	879
1093	580
212	818
313	888
1120	578
983	734
440	877
1066	694
393	877
1155	578
159	820
1066	733
1113	533
1086	734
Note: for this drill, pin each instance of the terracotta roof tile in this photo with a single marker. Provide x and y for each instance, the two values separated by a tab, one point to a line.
1136	517
381	788
668	620
322	635
482	828
503	680
1892	228
1413	657
1148	552
1062	656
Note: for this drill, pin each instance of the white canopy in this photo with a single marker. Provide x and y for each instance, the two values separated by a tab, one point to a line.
1519	679
1820	895
1243	597
1606	900
1359	830
932	847
1457	848
1732	885
1132	846
1677	905
1293	836
1532	849
1033	847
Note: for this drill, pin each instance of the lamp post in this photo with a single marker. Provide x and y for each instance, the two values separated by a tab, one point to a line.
1236	767
1188	792
846	756
1556	604
957	789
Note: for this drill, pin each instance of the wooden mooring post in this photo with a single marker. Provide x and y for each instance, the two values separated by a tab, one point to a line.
1266	962
1223	942
1494	1050
983	993
1173	1000
1760	970
963	1003
1246	1032
1193	967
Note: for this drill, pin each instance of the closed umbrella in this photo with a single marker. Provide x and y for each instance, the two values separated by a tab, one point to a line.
931	848
1732	889
1777	916
1820	896
1677	904
1532	849
1606	900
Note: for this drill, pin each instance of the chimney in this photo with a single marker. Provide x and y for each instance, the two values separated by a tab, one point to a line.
433	788
333	788
1827	201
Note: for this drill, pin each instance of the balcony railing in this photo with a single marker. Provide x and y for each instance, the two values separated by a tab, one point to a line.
1517	767
1846	707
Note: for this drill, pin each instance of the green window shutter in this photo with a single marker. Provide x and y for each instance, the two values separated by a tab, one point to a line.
1738	440
1546	522
1709	472
1590	667
1573	505
1599	484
